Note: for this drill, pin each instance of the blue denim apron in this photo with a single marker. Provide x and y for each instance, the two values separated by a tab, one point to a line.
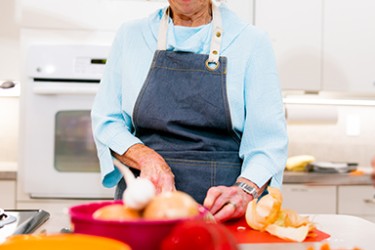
182	113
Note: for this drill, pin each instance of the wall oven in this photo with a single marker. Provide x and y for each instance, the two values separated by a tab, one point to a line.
58	153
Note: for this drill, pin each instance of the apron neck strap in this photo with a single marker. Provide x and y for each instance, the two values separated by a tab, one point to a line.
217	33
163	28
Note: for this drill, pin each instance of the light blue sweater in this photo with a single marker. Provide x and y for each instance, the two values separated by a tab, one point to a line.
252	85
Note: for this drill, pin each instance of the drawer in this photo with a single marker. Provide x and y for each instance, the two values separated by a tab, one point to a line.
310	199
356	200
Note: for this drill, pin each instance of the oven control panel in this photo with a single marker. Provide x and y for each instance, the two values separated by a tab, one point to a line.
61	62
88	65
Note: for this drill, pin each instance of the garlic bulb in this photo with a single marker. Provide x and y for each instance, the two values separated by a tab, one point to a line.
139	193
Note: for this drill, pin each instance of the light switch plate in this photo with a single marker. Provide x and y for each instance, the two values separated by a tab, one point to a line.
353	125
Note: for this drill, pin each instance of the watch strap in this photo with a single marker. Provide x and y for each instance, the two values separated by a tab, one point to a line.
247	189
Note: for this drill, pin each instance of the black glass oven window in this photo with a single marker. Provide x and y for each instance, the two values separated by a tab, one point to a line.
75	150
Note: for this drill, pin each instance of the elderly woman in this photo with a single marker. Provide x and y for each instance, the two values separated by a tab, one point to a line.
190	99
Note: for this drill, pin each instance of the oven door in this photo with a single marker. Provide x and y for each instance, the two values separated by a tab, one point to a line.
59	155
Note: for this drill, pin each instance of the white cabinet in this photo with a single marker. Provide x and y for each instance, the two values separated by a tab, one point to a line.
322	44
84	14
349	46
100	14
295	28
310	199
357	200
7	194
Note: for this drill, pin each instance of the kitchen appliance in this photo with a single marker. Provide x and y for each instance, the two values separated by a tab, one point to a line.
13	222
331	167
58	152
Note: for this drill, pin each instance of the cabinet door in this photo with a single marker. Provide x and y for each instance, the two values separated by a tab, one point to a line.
349	46
357	200
84	14
295	27
309	199
7	194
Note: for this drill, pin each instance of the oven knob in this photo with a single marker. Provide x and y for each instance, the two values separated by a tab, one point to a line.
48	69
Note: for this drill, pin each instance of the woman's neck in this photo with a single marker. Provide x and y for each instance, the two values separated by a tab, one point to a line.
202	17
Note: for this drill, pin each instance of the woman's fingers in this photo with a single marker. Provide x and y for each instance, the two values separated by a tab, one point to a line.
228	211
226	202
161	176
152	166
214	200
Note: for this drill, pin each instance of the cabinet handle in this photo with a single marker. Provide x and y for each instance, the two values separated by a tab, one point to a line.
369	201
299	190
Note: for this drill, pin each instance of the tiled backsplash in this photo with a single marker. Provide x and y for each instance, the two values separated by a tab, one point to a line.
332	142
325	142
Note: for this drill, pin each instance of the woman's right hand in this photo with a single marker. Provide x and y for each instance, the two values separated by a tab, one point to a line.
152	166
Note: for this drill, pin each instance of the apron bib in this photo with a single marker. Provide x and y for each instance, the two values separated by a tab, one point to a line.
182	113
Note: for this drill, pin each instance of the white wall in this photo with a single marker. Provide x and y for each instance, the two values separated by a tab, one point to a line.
9	128
9	41
9	70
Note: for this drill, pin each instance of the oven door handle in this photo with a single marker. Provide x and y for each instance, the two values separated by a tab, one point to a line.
65	89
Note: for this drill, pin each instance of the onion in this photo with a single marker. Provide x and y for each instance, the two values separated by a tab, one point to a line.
267	215
171	205
260	214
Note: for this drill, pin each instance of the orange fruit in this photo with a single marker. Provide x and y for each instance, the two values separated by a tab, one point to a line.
61	242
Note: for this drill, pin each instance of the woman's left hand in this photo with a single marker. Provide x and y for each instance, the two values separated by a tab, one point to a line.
226	202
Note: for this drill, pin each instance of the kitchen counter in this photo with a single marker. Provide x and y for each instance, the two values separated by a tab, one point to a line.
332	179
8	170
346	232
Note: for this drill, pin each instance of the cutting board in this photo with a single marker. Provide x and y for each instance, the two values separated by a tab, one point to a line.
244	234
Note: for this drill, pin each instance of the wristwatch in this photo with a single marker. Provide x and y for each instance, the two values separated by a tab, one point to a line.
247	189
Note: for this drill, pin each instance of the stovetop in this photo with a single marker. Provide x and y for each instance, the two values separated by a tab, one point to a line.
20	221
